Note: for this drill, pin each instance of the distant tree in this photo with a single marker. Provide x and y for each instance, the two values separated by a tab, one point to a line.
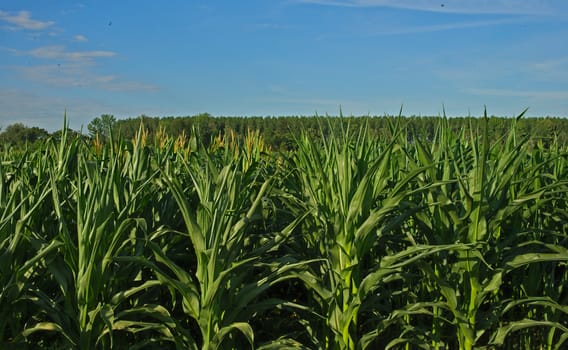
279	132
101	126
71	134
19	134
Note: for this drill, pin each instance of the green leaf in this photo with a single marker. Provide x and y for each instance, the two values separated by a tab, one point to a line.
243	327
504	331
47	327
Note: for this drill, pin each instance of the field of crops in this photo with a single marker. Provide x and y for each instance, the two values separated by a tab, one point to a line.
355	242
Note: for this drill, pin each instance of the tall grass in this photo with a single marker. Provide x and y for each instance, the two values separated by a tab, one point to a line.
354	242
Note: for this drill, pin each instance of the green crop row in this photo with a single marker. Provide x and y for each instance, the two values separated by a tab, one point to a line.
350	241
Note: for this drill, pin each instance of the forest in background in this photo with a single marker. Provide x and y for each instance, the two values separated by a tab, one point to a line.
280	132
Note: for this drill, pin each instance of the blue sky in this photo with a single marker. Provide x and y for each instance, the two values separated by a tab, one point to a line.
280	57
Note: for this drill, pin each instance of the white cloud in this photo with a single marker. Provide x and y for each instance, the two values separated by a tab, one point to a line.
529	7
121	85
60	75
80	38
59	52
74	69
550	70
23	20
448	26
79	75
47	110
540	94
553	65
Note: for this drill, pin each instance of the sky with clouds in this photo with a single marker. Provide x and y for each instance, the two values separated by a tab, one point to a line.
280	57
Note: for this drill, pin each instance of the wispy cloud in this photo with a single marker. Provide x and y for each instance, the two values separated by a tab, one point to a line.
553	65
74	69
540	94
74	8
553	69
60	53
528	7
47	110
314	104
80	38
449	26
70	75
23	20
80	75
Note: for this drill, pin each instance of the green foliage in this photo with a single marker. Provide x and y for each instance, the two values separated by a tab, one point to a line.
18	135
354	238
101	126
280	133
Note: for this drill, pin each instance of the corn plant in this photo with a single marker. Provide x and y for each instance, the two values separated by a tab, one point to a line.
24	251
486	202
354	200
88	295
236	261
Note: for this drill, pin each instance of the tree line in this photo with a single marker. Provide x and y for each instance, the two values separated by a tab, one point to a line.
280	132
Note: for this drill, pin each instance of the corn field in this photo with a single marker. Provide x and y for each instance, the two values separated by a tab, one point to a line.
354	242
